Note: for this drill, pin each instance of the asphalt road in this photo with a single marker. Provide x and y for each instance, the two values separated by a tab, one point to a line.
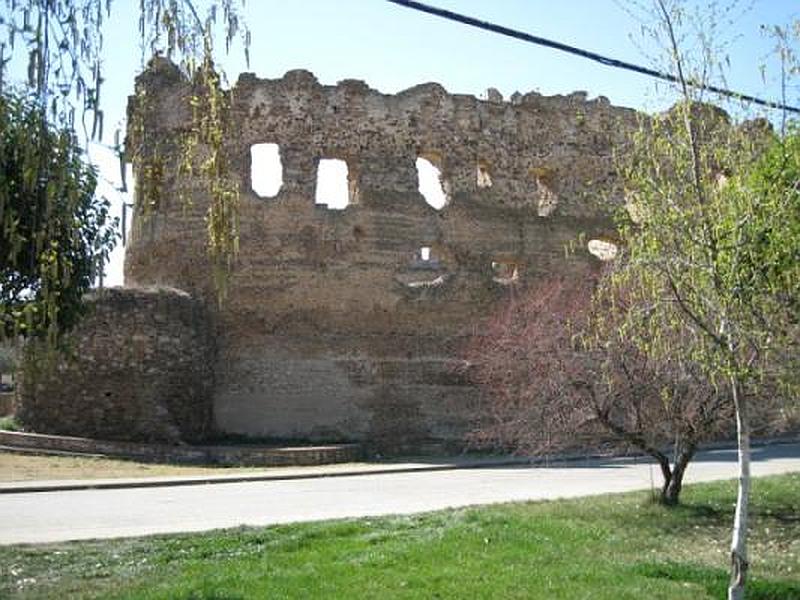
86	514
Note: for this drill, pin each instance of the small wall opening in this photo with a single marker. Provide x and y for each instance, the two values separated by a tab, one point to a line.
424	271
425	258
427	283
266	170
430	183
505	272
333	188
483	175
546	198
602	249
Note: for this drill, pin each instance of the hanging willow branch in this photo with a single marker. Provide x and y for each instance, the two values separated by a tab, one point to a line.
209	104
177	29
62	41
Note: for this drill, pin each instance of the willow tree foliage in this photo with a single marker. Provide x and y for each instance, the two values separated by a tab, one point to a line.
711	249
60	42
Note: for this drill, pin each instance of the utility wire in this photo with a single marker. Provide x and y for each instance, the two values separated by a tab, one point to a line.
603	60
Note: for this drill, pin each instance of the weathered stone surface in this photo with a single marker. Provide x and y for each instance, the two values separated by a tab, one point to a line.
6	403
138	367
334	327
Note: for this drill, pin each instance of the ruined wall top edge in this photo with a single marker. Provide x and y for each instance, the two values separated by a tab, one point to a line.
551	151
163	68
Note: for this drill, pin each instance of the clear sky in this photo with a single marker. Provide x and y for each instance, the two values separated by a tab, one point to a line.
393	48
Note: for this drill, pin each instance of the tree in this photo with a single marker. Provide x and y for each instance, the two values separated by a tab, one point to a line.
712	251
49	219
56	233
550	385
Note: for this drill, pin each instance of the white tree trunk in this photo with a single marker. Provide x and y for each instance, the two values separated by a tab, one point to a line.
739	541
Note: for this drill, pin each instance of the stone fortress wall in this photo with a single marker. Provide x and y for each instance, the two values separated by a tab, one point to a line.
135	368
347	324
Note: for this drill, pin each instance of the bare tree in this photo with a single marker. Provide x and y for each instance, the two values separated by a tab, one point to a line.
551	384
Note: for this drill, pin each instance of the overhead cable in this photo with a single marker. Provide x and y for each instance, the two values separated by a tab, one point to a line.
604	60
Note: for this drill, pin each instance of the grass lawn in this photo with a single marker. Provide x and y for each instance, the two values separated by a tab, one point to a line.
608	547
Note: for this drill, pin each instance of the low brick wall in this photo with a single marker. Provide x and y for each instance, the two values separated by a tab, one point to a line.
139	367
229	456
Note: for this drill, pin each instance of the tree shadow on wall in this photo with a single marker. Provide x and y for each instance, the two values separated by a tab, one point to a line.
715	581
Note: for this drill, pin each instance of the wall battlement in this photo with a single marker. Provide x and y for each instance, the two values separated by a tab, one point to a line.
347	324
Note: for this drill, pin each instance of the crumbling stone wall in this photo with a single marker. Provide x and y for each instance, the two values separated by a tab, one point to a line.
335	327
139	367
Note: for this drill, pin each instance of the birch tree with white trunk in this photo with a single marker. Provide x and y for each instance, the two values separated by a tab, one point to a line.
711	245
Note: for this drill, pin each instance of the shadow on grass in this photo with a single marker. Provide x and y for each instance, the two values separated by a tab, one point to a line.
765	512
707	514
715	581
212	596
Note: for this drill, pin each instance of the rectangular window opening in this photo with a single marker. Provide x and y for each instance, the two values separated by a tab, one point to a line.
333	188
266	170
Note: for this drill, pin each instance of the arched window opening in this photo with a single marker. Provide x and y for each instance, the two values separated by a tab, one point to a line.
430	183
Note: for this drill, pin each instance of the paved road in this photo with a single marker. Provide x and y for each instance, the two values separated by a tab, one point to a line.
85	514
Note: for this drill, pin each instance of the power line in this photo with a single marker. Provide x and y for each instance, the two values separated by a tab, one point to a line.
603	60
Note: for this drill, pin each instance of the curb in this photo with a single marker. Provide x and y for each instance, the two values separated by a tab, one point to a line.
115	484
101	484
219	455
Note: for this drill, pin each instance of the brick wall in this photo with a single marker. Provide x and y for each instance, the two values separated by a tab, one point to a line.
138	367
334	328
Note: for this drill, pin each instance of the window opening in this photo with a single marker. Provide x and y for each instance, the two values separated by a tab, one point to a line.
484	177
333	189
430	183
266	170
426	283
602	249
505	272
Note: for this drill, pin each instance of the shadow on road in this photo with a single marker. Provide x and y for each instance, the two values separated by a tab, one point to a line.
726	455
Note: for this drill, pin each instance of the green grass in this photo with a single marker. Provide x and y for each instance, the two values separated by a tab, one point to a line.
9	424
609	547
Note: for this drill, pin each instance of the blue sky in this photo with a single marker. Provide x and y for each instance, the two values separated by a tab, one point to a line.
393	48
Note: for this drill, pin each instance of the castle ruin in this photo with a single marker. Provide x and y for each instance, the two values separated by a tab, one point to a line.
346	323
